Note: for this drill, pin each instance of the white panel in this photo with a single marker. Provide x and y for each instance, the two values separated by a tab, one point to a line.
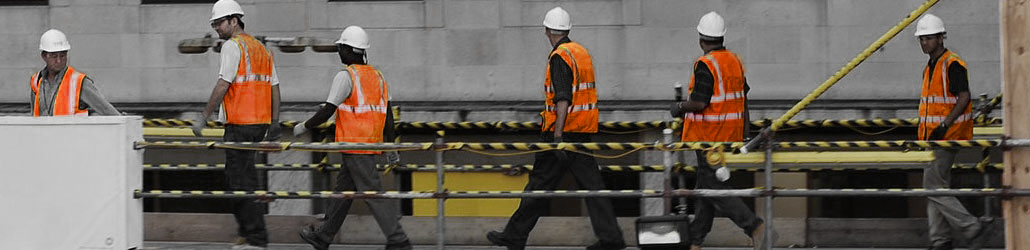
69	181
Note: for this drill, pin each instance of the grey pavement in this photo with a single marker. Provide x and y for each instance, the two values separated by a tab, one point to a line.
220	246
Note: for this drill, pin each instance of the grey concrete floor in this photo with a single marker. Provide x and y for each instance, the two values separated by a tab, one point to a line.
220	246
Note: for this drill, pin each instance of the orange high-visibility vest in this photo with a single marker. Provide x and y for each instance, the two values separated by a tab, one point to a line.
249	99
937	102
66	102
362	116
723	119
582	113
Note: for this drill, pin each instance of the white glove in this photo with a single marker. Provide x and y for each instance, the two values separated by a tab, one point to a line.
393	157
299	129
198	125
722	174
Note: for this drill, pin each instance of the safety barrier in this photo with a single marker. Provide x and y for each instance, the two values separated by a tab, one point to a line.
608	125
667	147
475	147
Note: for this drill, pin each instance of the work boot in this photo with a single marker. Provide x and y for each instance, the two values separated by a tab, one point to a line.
758	236
985	233
602	245
498	238
403	245
312	238
945	246
240	243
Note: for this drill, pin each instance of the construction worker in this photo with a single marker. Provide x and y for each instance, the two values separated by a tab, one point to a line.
247	90
570	116
59	89
716	111
359	98
945	114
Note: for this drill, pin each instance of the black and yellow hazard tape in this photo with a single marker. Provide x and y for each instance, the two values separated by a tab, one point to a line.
518	146
891	144
607	125
846	192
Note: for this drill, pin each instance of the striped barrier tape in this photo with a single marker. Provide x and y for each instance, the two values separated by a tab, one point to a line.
608	125
881	192
520	146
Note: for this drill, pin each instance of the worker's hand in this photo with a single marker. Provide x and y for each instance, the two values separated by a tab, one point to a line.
722	174
676	110
198	126
275	130
939	132
299	129
560	154
393	158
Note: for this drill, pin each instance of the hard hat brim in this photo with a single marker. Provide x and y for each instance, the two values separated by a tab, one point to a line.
56	50
213	18
929	33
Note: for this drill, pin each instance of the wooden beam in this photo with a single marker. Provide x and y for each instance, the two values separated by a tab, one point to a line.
1015	53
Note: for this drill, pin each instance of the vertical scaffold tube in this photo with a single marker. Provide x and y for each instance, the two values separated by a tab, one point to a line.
440	219
667	160
768	241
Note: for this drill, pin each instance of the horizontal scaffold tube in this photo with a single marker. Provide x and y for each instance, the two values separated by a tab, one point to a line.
510	167
582	193
519	146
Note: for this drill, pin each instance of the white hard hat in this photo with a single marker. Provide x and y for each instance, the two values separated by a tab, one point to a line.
712	25
557	19
224	8
54	41
354	36
929	25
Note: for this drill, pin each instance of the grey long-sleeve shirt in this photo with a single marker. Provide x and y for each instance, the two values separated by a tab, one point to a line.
89	97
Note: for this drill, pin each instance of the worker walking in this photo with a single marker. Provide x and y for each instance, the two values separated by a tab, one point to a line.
945	113
59	89
359	98
571	115
247	90
716	111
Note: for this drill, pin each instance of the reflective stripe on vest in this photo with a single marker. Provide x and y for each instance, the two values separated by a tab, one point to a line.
939	119
939	99
714	118
722	120
583	112
66	98
936	102
576	108
249	99
362	116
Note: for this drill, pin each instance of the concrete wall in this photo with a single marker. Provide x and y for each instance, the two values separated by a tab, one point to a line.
469	50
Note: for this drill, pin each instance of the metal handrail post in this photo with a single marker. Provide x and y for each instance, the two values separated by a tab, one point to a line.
768	199
440	219
668	162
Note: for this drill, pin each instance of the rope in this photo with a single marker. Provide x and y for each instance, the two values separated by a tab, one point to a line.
715	156
870	133
852	64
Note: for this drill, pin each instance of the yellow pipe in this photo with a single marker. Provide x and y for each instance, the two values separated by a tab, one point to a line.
833	157
995	131
851	65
